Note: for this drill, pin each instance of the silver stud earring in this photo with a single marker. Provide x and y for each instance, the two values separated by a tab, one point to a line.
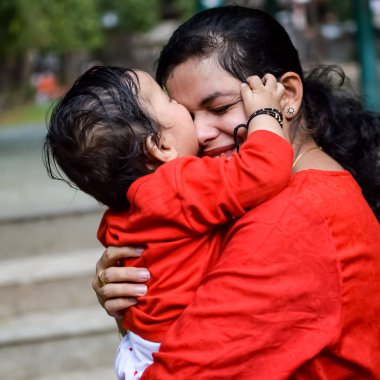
290	111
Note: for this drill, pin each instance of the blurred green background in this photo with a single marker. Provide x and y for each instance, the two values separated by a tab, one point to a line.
46	44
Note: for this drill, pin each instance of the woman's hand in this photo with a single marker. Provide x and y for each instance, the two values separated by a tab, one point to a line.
117	286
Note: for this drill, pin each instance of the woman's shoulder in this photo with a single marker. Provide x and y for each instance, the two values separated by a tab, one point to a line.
318	210
327	192
330	199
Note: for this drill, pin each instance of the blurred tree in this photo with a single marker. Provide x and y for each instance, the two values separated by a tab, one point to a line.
178	9
32	28
74	26
132	15
124	19
343	9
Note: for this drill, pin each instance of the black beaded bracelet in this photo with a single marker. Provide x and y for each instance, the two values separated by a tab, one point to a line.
262	111
267	111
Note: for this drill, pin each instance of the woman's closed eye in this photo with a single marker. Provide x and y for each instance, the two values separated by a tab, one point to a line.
220	110
223	109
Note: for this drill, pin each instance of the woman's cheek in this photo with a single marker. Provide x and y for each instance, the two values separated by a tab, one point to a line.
233	119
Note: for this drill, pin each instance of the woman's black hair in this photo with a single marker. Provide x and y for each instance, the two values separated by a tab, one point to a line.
248	42
96	135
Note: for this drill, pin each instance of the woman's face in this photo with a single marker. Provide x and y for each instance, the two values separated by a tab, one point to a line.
212	96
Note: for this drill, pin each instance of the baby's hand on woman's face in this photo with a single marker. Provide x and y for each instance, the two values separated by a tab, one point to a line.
262	93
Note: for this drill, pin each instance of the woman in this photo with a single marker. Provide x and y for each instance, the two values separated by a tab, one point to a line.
296	292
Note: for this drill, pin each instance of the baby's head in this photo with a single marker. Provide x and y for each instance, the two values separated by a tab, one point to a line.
112	127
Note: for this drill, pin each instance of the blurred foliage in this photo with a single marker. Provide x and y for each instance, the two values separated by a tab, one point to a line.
343	9
73	25
62	26
133	15
31	29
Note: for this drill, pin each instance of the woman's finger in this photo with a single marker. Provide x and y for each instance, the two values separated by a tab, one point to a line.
113	254
115	297
125	274
108	263
111	282
114	307
122	290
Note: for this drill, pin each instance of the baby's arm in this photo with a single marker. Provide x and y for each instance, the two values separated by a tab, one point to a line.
257	173
210	191
258	94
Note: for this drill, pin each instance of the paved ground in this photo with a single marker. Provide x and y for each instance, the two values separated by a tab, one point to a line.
25	189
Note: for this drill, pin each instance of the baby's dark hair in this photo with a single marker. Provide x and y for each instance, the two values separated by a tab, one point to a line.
96	135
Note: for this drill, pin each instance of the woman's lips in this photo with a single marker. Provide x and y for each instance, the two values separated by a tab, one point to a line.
222	151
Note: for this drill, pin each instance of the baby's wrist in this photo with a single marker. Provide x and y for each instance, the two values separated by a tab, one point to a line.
269	111
268	118
264	122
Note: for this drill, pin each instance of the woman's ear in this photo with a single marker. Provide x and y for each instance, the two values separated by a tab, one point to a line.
162	152
293	93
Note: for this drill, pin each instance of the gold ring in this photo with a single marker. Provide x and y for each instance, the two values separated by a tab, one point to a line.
100	280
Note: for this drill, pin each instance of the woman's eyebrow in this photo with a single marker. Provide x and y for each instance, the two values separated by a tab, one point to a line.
210	98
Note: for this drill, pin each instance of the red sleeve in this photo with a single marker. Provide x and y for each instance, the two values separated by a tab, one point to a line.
215	189
270	304
192	193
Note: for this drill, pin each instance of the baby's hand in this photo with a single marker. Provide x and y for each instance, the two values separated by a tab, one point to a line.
265	93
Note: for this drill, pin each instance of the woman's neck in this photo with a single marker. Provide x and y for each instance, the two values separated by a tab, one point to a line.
308	155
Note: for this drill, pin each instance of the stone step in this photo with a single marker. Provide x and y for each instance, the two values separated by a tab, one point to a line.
47	282
97	373
48	345
56	233
46	326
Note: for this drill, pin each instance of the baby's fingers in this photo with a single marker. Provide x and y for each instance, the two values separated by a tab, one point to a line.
255	82
270	81
283	103
246	92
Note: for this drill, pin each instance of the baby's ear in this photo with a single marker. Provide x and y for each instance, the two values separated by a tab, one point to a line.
162	152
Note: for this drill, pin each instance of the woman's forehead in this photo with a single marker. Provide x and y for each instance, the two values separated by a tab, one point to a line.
199	79
197	68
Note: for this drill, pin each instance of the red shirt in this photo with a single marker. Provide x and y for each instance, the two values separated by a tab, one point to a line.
177	212
294	295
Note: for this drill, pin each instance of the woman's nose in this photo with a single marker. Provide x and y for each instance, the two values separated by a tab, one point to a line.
205	130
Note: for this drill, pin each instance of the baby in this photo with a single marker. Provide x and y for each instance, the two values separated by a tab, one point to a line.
117	136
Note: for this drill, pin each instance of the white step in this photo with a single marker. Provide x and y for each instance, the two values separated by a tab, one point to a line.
58	233
40	345
37	327
97	373
47	282
48	267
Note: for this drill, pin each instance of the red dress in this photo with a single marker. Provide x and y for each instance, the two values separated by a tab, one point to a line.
294	295
177	212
